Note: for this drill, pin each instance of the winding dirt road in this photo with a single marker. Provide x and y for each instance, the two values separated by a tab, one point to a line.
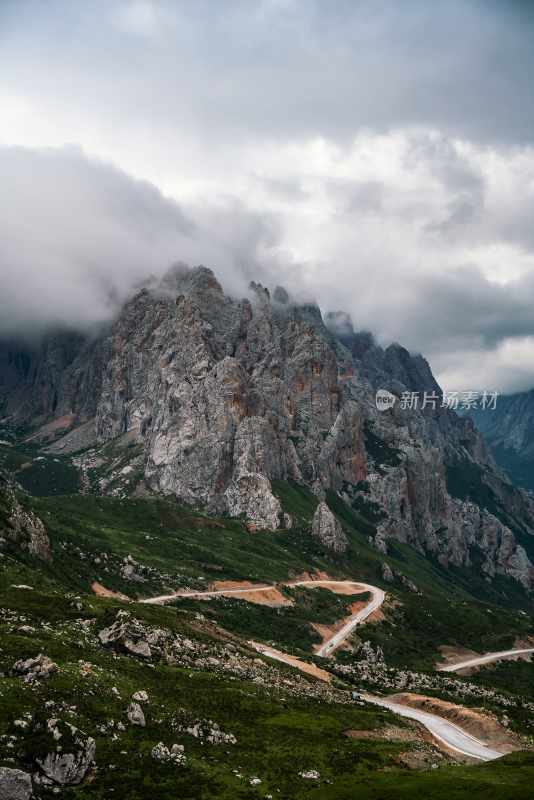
446	733
330	645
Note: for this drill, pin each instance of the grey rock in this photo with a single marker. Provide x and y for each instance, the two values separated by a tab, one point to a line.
58	378
408	584
37	668
15	784
136	715
130	570
70	755
310	775
327	529
509	430
126	634
20	527
251	496
369	654
174	754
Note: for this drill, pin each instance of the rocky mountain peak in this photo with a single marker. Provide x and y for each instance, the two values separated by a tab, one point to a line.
220	397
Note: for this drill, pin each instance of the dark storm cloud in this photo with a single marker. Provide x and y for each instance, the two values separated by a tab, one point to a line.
282	69
359	152
462	309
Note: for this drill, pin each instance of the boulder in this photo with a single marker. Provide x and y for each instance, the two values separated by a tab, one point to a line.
251	495
14	784
136	715
70	754
174	754
35	668
126	634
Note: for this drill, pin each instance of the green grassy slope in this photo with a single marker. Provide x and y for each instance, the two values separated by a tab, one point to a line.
279	733
173	547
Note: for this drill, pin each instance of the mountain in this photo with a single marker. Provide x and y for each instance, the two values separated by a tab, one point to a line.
218	402
509	430
217	555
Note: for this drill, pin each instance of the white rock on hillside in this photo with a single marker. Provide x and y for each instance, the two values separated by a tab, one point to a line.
327	529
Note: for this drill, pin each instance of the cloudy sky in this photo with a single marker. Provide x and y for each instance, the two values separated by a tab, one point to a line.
374	154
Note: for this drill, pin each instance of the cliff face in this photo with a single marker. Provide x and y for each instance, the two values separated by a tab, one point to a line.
59	376
222	396
509	430
227	395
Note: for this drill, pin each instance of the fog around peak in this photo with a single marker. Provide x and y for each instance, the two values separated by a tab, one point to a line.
336	150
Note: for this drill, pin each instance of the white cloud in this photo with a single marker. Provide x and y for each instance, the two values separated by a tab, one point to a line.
138	17
507	368
334	148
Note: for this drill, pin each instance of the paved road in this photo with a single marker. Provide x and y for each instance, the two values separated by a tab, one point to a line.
377	598
446	732
485	659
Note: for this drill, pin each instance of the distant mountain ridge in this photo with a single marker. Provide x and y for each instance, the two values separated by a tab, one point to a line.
509	430
213	400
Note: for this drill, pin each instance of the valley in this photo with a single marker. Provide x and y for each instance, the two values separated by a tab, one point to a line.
101	538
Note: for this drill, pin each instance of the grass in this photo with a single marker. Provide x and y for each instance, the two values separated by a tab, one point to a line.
413	632
504	675
38	473
505	779
167	538
278	734
177	547
296	500
287	626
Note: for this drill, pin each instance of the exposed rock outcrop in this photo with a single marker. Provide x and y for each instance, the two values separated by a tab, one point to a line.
127	635
20	527
227	396
174	754
15	784
34	669
70	753
251	496
327	529
371	655
509	429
